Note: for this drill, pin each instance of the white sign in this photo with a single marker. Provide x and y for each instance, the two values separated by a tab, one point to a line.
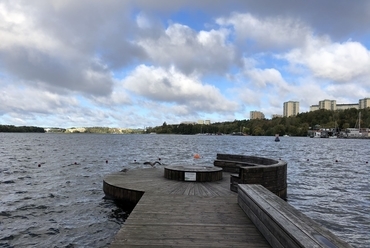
190	176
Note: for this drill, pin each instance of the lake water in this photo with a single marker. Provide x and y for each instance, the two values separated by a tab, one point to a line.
51	184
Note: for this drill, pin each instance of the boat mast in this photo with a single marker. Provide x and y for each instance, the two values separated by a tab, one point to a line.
359	122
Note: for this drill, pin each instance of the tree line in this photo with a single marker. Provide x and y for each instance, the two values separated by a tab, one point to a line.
21	129
293	126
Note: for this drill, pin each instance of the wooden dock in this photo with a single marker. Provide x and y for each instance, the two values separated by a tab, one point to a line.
182	214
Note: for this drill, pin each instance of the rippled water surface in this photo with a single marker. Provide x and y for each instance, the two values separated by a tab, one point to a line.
51	184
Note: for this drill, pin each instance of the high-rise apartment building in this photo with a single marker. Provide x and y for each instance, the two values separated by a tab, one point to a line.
364	103
347	106
314	107
328	104
205	122
256	115
332	105
291	108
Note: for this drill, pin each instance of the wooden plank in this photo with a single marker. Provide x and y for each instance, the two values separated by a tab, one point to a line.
152	180
188	221
183	214
206	214
267	226
298	221
274	217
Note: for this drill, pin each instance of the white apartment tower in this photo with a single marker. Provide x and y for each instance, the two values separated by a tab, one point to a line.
332	105
364	103
291	108
328	104
256	115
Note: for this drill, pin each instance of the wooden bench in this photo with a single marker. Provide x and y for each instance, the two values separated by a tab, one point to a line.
280	223
270	173
232	163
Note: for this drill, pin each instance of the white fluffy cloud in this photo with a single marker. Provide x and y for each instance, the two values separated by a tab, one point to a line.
33	100
172	86
117	63
340	62
262	77
266	33
190	51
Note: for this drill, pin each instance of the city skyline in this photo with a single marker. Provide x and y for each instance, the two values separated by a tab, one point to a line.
138	63
291	108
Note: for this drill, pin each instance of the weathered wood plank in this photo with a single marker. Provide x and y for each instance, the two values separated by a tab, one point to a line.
183	214
206	214
188	221
281	223
152	180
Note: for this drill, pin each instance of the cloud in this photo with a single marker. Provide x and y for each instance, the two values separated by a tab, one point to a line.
190	51
339	62
172	86
262	77
32	54
266	33
139	63
33	100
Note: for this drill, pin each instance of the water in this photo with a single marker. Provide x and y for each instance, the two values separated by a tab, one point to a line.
61	203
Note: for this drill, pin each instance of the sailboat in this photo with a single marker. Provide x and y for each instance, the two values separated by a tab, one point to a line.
355	132
334	134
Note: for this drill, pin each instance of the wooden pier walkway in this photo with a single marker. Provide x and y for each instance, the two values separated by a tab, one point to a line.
183	214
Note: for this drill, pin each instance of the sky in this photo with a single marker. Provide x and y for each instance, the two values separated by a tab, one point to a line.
139	63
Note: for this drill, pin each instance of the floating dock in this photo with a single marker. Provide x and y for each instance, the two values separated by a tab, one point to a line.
179	206
175	213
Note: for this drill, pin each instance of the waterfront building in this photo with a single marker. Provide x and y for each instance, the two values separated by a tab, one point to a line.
291	108
256	115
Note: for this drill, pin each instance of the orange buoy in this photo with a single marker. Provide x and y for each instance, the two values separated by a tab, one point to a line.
196	155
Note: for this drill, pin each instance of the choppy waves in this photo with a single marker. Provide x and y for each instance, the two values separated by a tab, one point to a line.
52	183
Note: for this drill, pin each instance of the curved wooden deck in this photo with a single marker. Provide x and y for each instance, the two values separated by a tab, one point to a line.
152	181
182	214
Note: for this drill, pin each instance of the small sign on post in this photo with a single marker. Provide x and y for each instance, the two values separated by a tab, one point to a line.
191	176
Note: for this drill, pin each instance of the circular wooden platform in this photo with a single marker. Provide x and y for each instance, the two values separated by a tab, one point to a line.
193	173
130	186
